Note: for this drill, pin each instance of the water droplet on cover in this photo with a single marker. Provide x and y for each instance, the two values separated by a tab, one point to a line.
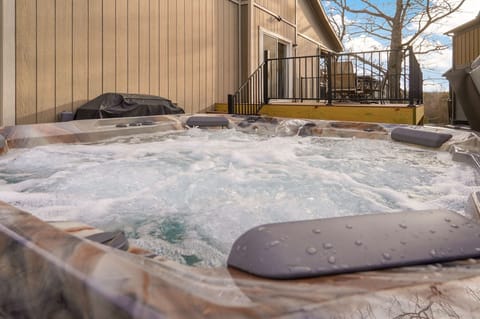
348	226
332	260
317	231
433	253
403	242
403	226
454	225
311	250
386	256
358	242
261	228
448	220
432	231
273	243
299	269
327	246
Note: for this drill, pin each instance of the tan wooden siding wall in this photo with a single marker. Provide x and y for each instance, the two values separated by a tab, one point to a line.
306	47
70	51
264	20
284	8
307	26
228	55
307	77
466	47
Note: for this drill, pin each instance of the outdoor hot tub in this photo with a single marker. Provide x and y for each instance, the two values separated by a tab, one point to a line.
199	198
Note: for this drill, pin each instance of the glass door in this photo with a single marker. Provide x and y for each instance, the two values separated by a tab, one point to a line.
276	49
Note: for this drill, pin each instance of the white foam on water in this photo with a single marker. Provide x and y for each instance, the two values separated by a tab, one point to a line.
189	195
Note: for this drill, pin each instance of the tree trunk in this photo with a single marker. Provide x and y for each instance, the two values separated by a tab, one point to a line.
394	69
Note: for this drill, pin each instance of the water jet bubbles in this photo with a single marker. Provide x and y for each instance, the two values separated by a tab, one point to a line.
332	260
477	249
261	228
311	250
327	246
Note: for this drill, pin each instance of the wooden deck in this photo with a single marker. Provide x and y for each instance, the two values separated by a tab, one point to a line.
378	113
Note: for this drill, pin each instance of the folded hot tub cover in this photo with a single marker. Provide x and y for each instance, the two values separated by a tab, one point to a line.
110	105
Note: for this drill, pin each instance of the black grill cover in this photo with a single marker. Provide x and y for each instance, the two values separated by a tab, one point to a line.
110	105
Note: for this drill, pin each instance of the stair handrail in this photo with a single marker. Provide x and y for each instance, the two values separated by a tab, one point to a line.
252	94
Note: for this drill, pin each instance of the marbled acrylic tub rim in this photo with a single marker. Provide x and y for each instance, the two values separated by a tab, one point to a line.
47	272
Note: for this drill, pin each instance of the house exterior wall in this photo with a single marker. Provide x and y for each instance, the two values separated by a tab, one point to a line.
466	46
299	25
192	52
70	51
262	20
311	31
7	62
284	8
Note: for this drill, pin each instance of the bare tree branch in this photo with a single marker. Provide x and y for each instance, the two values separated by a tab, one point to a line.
404	26
410	17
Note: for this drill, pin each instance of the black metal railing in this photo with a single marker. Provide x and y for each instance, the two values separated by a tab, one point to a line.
250	97
385	76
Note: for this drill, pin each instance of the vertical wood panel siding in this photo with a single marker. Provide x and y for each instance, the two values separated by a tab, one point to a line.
95	47
70	51
26	62
133	46
154	49
46	62
63	56
121	46
266	21
109	46
80	55
466	47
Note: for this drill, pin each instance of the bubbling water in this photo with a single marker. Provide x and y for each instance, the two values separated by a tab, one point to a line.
189	195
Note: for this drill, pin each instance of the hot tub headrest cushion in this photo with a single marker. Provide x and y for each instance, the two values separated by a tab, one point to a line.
207	121
355	243
419	137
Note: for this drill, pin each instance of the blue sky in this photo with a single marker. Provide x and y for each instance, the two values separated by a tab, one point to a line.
435	64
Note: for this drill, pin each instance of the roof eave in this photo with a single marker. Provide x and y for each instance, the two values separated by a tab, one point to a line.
464	26
339	46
